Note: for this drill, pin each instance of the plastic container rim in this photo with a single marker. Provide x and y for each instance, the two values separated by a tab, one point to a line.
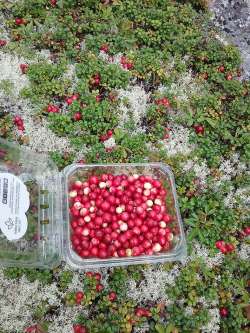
179	252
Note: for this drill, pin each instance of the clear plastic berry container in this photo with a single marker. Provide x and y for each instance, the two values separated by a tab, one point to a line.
46	239
37	241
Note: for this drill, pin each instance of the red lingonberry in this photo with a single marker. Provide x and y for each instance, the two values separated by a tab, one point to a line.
98	276
219	244
230	247
99	287
229	77
98	98
53	3
77	328
223	312
3	42
199	129
104	48
246	231
19	21
221	69
112	296
31	329
77	116
24	68
79	295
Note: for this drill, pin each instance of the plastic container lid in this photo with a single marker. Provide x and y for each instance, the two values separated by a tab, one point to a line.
34	210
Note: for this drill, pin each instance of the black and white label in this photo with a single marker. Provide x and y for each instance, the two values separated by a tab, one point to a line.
14	203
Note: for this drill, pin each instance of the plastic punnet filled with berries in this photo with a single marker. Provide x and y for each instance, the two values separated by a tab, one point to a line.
122	214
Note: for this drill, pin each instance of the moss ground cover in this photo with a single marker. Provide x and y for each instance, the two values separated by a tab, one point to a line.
133	81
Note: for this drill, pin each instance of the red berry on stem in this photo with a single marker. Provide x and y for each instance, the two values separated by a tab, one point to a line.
199	129
53	3
109	133
24	68
79	295
19	21
223	312
230	247
104	48
77	116
98	98
97	79
2	42
219	244
246	231
221	69
99	287
223	249
79	328
52	108
141	312
112	296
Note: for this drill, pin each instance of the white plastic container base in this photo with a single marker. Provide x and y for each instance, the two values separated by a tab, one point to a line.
47	239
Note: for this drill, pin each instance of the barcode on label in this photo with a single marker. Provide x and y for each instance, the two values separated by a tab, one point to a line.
5	191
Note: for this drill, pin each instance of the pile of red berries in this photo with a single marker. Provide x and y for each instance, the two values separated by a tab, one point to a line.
18	121
224	247
119	216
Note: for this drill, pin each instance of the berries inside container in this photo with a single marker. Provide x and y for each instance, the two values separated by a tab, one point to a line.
121	214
